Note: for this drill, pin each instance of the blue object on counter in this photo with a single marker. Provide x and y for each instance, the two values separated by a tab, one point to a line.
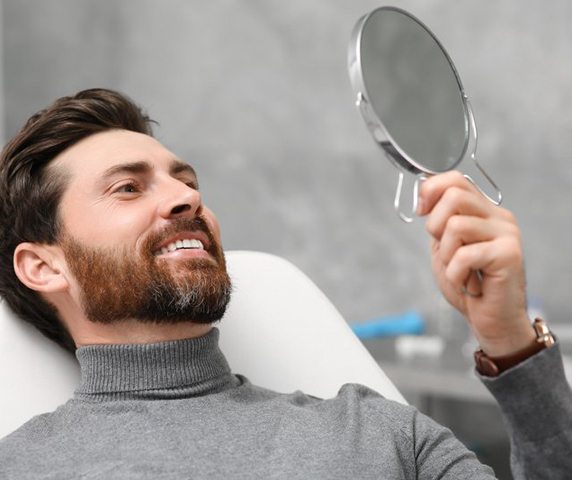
408	323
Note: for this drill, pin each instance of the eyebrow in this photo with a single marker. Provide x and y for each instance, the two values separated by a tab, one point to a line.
177	166
131	167
142	166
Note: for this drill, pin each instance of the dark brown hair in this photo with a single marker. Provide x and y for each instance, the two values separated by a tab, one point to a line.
30	191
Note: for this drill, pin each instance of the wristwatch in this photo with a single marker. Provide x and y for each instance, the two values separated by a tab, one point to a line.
494	366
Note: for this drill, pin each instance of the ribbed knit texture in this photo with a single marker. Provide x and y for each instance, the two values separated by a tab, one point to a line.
173	410
174	369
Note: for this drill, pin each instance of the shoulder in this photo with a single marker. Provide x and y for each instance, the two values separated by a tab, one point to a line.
358	415
52	439
28	437
360	400
353	405
361	406
38	430
33	428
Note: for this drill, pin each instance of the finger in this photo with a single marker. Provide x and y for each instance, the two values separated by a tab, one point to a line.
498	258
459	270
451	292
463	230
456	201
473	285
433	188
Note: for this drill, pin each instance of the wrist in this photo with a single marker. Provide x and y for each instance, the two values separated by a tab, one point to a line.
507	338
492	366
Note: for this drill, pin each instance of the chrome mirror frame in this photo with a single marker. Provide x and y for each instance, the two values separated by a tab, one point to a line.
406	165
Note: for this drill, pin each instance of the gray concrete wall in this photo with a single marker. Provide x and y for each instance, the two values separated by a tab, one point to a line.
255	94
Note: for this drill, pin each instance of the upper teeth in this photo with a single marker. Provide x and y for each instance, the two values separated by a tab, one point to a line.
186	243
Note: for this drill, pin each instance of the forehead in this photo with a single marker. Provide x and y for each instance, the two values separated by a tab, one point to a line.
91	157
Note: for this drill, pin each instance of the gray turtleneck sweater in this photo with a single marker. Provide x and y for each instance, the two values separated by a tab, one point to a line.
174	410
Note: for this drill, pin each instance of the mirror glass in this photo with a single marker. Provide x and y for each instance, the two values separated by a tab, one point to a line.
414	90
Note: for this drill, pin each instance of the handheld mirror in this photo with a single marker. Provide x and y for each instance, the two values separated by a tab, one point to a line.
413	102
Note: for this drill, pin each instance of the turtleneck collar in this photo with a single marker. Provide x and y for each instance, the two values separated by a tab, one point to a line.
166	370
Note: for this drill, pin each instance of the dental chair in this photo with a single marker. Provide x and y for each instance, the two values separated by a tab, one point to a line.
280	331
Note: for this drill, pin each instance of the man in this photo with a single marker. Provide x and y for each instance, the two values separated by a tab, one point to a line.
107	248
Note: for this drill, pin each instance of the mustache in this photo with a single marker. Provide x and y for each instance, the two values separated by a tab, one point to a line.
196	224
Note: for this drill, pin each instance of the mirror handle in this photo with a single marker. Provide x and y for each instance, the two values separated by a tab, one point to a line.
480	170
399	193
498	200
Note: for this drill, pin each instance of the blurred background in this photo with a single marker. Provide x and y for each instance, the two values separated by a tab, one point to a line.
255	95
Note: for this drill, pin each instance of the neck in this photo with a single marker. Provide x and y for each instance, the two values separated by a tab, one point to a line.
134	332
166	370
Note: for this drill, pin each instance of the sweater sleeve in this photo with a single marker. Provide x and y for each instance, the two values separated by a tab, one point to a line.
536	401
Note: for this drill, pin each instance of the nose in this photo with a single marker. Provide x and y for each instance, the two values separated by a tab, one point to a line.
179	199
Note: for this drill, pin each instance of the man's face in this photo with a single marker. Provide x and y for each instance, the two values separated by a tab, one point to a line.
136	237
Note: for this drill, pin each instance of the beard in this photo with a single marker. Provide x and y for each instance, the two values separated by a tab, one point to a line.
117	285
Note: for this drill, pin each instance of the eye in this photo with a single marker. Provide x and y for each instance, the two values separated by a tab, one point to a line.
191	184
130	187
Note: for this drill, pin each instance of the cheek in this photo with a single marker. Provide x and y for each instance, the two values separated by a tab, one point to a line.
214	226
102	225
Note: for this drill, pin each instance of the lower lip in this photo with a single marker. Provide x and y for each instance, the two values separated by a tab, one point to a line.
186	253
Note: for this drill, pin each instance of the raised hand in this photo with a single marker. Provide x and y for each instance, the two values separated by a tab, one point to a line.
477	261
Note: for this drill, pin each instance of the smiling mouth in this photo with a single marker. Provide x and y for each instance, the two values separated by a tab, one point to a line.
184	244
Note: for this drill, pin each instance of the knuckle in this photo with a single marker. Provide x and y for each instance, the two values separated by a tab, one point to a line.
507	216
431	227
512	251
509	226
514	232
453	195
455	225
458	177
451	274
465	256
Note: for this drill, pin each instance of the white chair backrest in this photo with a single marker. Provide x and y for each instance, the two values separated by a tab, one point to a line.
280	331
278	314
35	374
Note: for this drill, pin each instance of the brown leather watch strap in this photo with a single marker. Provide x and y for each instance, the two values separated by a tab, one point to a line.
494	366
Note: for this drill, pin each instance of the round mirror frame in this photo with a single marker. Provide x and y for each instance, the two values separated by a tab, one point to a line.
401	160
374	123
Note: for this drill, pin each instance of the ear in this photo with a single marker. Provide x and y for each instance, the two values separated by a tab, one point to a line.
38	267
